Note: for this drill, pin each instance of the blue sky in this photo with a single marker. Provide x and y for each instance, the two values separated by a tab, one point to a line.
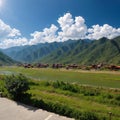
31	18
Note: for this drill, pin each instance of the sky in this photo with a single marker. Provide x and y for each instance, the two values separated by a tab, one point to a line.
29	22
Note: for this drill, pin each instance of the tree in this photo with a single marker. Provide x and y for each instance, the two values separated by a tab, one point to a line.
16	85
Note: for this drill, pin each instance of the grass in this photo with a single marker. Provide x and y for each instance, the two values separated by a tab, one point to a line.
103	79
68	97
78	100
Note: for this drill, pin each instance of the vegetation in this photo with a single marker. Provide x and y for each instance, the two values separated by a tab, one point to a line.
80	52
61	91
5	60
72	100
94	78
3	90
16	85
83	95
31	53
103	50
77	101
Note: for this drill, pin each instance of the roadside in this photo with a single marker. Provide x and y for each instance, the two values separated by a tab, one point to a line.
10	110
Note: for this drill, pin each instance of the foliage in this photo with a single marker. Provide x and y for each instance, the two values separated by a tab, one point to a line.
89	116
70	99
3	90
64	110
16	85
73	100
106	97
65	86
60	91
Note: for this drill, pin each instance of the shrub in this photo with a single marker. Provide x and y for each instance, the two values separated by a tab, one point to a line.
65	86
3	91
89	116
63	109
16	85
56	84
46	83
117	97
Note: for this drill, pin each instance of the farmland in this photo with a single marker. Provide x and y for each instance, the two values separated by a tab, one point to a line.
73	93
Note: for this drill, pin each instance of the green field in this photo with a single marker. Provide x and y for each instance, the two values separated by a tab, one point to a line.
73	93
84	98
94	78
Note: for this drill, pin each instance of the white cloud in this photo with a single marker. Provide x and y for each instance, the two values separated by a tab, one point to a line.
13	42
14	33
66	20
72	28
69	28
47	35
6	31
97	32
10	37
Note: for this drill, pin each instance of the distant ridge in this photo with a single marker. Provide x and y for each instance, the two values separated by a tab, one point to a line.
71	51
34	52
103	50
5	60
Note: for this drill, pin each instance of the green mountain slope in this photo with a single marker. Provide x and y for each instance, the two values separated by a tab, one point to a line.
30	53
34	52
76	51
66	53
103	50
5	60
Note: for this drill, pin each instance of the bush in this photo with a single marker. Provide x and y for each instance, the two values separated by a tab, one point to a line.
3	91
63	109
16	85
117	97
65	86
89	116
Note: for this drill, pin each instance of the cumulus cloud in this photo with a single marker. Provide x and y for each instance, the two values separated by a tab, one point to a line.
47	35
6	31
97	32
72	28
14	33
10	37
13	42
69	27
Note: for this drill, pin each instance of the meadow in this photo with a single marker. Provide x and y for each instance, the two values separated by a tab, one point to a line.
109	79
79	94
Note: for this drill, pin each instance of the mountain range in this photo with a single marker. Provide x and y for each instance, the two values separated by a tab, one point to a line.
71	51
5	60
35	52
81	52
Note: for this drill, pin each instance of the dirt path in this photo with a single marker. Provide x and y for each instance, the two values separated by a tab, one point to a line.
91	71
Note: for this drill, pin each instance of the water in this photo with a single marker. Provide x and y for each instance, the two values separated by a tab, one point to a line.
6	72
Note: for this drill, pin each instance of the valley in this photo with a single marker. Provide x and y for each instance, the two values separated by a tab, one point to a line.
72	93
78	79
82	52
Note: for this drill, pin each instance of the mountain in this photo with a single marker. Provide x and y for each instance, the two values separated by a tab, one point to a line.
71	51
34	52
66	53
103	50
30	53
5	60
